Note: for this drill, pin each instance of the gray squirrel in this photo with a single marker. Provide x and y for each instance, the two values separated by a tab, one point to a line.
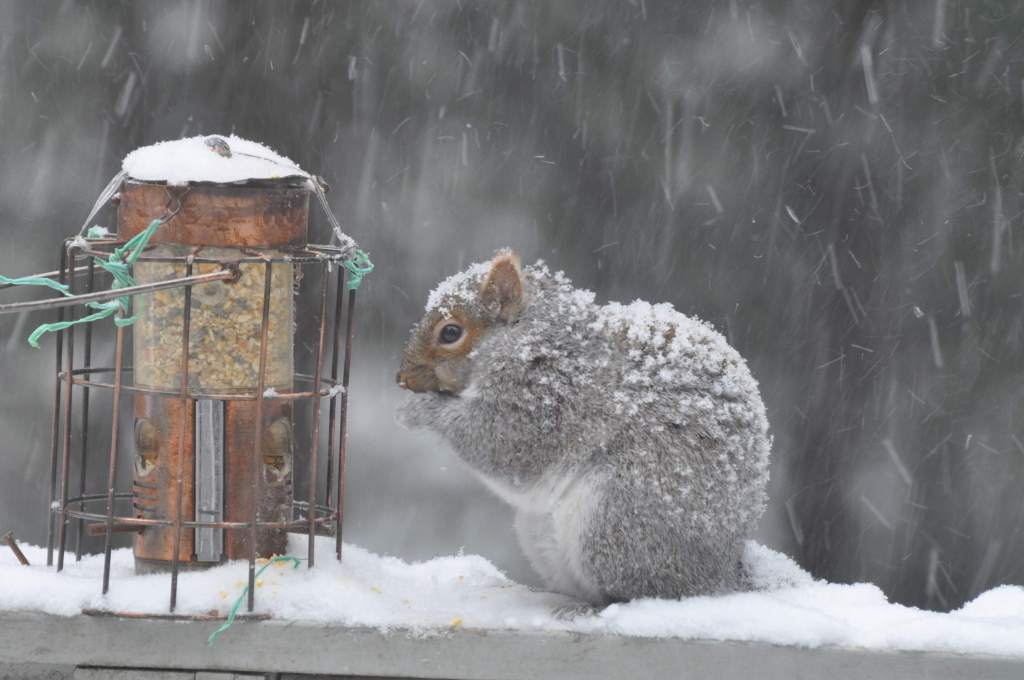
631	439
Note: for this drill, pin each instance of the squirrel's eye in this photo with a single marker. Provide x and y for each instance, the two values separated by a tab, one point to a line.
451	333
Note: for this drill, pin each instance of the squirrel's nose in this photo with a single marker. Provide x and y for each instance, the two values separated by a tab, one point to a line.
401	381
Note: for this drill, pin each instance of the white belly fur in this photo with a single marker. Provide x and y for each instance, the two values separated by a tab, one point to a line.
551	521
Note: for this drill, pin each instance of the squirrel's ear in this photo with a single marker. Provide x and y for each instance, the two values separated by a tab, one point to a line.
503	286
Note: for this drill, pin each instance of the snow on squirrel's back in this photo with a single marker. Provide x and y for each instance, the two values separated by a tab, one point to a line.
668	348
192	160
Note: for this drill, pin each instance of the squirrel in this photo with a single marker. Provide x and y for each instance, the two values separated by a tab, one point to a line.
631	439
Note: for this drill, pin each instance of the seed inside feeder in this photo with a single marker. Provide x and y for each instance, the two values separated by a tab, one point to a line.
224	338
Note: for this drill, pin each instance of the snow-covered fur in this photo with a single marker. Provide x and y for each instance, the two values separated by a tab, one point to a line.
631	439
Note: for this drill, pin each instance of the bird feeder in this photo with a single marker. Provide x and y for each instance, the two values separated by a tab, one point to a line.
217	233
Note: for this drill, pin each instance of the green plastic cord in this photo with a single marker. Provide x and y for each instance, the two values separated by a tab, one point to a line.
33	281
238	603
358	267
118	264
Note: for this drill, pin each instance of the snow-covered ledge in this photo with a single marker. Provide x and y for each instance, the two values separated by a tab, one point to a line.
459	617
31	639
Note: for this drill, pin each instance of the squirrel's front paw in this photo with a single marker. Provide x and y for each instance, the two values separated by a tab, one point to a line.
571	611
413	412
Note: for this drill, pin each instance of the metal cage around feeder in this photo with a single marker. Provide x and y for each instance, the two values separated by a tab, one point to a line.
213	380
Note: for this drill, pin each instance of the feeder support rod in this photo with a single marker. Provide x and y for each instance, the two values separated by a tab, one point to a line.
8	540
49	275
101	296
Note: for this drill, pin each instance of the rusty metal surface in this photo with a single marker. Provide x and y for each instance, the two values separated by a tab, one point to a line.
283	395
325	278
309	254
335	357
273	488
217	215
324	514
186	439
112	461
9	541
257	463
55	422
163	432
100	528
69	383
350	332
84	445
159	425
212	615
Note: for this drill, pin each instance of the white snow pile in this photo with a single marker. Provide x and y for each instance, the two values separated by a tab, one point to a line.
192	160
447	593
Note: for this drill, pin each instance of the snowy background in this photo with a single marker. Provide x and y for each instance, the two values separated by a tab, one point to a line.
834	185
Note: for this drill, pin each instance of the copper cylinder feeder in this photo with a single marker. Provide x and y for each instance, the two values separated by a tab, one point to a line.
214	431
217	373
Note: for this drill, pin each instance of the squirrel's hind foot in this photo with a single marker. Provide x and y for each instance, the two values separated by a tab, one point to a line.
571	611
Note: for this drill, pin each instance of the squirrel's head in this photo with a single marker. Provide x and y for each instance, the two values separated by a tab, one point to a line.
460	313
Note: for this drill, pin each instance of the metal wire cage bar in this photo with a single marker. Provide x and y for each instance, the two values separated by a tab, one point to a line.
321	513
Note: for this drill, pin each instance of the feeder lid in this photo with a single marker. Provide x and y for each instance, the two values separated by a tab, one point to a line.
208	158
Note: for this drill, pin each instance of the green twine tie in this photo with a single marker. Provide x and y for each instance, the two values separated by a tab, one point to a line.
238	603
118	264
33	281
358	267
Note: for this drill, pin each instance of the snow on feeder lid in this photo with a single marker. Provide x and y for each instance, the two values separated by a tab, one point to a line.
213	158
226	191
211	234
